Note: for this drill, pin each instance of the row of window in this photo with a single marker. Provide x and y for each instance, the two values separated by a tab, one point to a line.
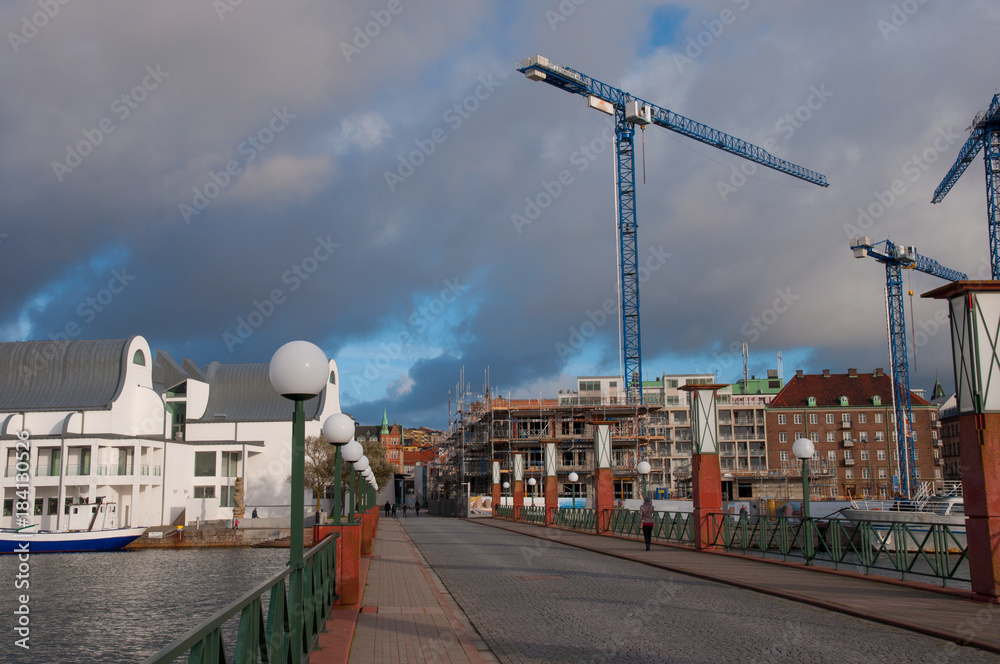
831	436
845	418
831	455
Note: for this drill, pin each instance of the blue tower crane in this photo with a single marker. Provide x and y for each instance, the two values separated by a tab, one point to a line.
629	111
896	259
985	136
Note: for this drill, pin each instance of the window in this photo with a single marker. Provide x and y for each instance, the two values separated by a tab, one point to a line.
880	455
228	497
845	419
862	418
864	455
814	437
863	436
38	506
333	377
204	464
798	434
53	505
782	437
798	419
878	418
916	453
845	435
783	455
590	386
829	418
879	436
916	471
831	455
843	401
848	454
8	507
623	490
782	419
914	435
813	418
883	473
230	464
139	358
831	436
866	474
204	492
849	474
670	382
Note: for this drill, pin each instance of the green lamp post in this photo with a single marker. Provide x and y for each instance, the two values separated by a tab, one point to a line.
804	449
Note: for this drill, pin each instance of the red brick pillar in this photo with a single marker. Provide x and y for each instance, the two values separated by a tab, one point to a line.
551	483
495	503
604	486
706	477
974	318
518	484
368	519
348	575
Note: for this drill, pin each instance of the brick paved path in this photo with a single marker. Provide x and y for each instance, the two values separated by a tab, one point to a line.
540	601
406	615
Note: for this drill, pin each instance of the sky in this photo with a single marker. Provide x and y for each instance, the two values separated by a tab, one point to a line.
377	178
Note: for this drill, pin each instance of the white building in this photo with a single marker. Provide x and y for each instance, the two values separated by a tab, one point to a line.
166	441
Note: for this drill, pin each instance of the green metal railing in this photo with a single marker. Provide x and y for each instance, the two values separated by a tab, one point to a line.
907	549
576	519
668	526
505	512
260	640
533	514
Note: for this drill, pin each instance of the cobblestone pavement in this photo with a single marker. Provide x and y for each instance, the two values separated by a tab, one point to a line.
538	601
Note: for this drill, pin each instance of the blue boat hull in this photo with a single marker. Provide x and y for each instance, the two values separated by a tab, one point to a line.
13	542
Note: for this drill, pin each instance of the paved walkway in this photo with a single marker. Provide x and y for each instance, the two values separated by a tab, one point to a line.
945	615
406	613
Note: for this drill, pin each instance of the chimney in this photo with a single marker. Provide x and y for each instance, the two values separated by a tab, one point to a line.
826	373
852	373
798	373
877	373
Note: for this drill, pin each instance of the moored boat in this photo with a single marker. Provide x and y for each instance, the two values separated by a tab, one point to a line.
928	522
100	534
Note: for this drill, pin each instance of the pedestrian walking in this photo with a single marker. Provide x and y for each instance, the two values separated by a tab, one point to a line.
416	506
743	511
646	512
404	510
394	510
387	507
254	515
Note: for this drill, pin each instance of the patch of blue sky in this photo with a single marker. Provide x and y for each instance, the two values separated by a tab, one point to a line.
67	292
435	326
663	28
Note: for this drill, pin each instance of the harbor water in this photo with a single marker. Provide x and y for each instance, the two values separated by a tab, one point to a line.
121	606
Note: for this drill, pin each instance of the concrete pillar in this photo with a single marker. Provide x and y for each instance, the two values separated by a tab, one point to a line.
604	486
706	476
518	484
496	487
551	483
975	318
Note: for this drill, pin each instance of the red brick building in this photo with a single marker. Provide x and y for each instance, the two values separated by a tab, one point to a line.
850	419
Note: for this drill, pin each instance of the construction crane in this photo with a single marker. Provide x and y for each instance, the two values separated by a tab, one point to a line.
896	259
985	133
628	112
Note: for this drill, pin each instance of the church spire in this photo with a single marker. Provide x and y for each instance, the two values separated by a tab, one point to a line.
385	423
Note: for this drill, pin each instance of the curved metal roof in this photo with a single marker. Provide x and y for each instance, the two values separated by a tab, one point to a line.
243	393
61	375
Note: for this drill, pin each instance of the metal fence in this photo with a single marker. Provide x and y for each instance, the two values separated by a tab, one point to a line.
260	639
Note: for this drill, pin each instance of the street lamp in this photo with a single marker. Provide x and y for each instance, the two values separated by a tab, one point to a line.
573	479
352	453
643	468
532	482
803	448
338	429
506	485
298	371
360	466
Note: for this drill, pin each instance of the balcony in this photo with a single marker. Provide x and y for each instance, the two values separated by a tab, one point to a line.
847	443
939	461
849	462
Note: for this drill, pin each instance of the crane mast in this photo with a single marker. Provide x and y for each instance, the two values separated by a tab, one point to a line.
896	259
629	111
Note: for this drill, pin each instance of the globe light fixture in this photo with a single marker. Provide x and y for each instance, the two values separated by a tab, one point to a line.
338	429
574	478
298	371
804	449
643	468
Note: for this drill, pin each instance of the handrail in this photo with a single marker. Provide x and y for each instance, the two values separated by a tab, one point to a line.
257	640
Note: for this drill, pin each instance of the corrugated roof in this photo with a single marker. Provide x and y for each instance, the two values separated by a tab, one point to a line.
243	393
61	375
